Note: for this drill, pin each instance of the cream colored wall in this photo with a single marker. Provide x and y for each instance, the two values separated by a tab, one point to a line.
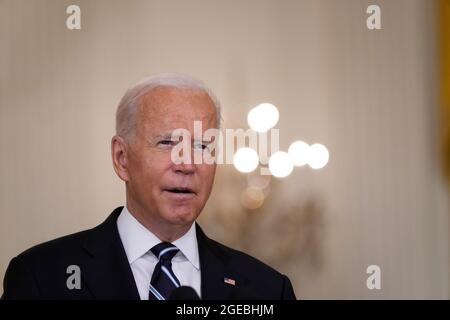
369	96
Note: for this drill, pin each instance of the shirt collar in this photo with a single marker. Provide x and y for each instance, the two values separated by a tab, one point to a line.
188	246
137	240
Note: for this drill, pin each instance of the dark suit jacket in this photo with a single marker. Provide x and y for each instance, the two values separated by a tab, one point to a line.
41	272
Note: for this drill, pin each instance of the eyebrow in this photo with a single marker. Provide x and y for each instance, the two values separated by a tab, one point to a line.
168	136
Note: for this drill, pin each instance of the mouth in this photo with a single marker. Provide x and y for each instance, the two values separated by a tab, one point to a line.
180	191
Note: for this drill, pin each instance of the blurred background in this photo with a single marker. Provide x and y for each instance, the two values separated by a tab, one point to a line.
378	100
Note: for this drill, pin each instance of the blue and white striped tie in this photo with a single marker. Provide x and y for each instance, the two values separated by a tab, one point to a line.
163	280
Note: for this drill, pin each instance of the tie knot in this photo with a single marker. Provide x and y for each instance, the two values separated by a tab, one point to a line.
165	251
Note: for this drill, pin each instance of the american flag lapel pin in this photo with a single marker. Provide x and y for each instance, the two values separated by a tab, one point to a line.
229	281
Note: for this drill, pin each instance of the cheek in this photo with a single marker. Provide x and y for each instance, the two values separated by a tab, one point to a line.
207	173
147	169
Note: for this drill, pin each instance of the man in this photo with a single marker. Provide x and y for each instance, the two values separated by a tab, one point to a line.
151	246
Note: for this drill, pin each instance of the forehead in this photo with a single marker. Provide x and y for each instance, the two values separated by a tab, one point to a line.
168	108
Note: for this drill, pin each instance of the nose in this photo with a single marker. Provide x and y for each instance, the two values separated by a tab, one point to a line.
186	163
185	168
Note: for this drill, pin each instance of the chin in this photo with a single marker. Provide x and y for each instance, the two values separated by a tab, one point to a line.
182	215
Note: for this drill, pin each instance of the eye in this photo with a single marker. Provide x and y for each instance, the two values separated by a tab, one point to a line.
200	146
166	142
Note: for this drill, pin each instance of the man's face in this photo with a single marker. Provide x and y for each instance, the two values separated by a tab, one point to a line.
169	193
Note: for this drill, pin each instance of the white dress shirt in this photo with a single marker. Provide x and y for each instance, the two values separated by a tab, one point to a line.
137	242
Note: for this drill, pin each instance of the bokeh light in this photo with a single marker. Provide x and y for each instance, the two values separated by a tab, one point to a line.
318	156
252	198
245	160
257	180
299	153
281	164
263	117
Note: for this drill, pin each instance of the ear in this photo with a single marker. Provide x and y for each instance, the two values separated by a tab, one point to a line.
119	155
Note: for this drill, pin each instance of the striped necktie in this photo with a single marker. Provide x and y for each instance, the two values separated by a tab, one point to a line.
163	280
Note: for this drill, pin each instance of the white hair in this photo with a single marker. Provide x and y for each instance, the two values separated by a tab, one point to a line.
126	119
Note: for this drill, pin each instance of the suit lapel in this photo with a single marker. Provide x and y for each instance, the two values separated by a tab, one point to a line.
214	269
107	273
